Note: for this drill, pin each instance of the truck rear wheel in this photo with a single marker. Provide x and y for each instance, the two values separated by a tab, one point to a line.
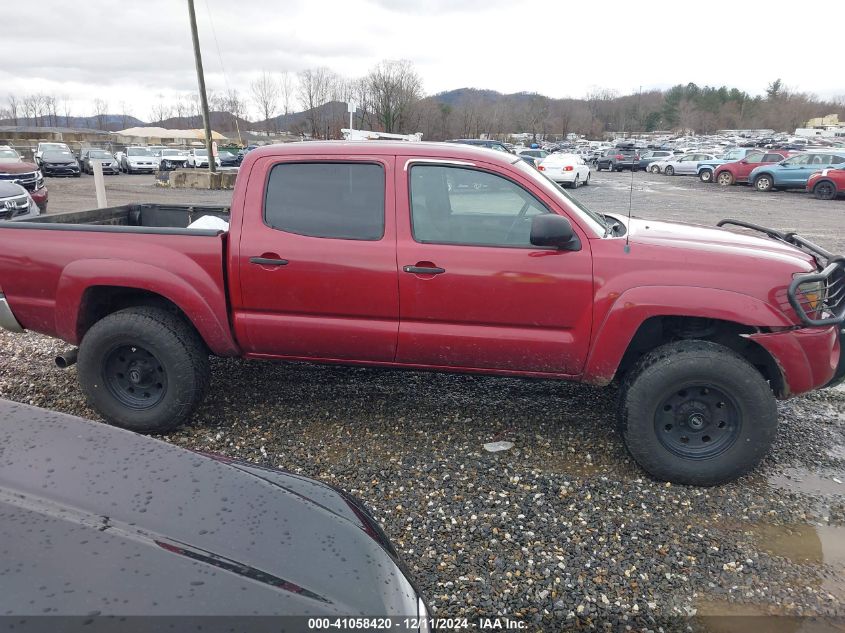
695	412
143	369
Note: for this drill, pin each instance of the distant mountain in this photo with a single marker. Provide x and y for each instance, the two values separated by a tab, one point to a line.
111	122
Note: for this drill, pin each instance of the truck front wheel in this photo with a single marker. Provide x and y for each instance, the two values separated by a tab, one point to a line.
144	369
695	412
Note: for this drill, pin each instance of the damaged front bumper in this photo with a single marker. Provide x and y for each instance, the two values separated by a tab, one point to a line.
808	358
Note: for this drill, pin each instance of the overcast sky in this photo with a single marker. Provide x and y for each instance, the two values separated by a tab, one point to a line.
133	50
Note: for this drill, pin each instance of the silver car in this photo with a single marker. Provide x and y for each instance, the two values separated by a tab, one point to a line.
15	202
684	165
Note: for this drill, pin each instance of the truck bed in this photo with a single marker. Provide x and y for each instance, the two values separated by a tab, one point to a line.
53	266
129	218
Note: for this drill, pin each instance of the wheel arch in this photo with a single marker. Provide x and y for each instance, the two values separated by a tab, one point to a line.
85	294
645	317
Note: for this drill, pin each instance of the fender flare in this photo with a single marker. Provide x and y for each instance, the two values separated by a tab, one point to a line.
188	291
633	307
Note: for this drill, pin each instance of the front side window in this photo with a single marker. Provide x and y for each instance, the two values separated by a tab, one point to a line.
453	205
802	159
329	200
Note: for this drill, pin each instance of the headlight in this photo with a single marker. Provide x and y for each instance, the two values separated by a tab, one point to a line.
811	293
423	617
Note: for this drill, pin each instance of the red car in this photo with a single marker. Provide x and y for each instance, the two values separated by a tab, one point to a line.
27	175
370	254
827	184
737	172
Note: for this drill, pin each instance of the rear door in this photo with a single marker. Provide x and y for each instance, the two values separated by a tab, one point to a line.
474	293
317	261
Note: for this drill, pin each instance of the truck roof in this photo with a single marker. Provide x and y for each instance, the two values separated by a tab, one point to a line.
386	148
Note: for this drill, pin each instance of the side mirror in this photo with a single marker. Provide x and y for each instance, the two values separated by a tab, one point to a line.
744	162
554	230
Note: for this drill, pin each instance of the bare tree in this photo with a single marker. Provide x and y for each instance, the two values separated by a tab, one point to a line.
160	111
124	115
265	93
14	105
101	108
287	85
66	107
314	84
395	87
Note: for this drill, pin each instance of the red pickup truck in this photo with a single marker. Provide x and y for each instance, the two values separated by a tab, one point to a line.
437	257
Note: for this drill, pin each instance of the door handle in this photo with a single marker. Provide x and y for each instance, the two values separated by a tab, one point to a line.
268	261
424	270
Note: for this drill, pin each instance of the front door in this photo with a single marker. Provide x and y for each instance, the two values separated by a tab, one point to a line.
474	292
317	260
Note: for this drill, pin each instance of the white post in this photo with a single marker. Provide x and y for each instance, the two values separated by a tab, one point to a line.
99	184
350	106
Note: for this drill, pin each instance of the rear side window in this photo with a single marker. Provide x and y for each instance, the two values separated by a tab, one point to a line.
331	200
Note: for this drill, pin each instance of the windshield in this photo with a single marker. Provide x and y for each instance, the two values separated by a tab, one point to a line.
200	152
9	156
595	221
49	146
59	155
138	151
100	154
170	152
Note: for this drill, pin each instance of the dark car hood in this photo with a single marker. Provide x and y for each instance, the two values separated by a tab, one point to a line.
17	168
100	519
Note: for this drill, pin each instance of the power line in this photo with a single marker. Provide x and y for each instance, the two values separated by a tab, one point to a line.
222	67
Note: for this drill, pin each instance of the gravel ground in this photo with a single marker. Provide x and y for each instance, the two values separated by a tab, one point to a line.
562	531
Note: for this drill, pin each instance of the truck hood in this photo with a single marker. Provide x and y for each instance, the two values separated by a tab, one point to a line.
713	240
17	168
100	519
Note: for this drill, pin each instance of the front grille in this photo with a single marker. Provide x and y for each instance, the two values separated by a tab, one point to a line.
27	180
10	207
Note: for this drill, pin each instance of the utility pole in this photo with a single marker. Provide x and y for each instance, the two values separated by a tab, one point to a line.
206	121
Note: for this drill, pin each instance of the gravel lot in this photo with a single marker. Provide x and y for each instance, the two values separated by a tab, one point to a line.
562	531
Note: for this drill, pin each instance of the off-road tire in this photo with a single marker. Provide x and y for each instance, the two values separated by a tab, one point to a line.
694	365
171	341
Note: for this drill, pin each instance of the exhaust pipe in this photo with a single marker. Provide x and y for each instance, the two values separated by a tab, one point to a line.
66	359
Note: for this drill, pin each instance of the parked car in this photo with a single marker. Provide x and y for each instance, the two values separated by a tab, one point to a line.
618	158
651	156
14	169
59	162
537	154
179	533
738	171
89	155
138	160
326	258
683	165
227	159
566	169
794	172
172	159
199	158
827	184
480	142
707	169
15	202
45	146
